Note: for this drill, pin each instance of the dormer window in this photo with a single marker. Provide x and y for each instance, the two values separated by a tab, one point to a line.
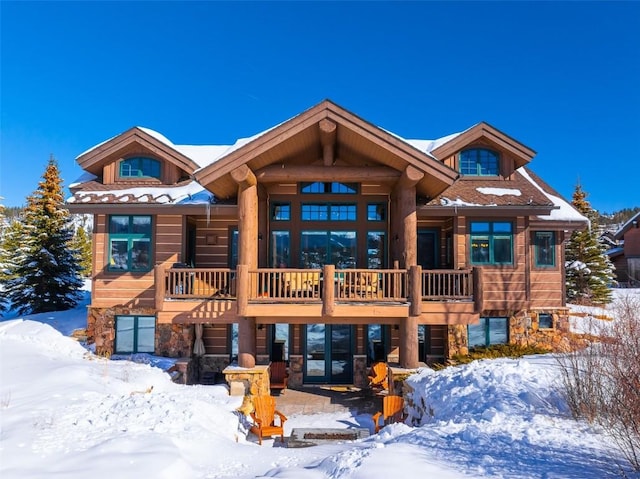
140	167
479	162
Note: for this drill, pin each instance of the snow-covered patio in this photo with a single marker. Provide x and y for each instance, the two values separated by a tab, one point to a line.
67	413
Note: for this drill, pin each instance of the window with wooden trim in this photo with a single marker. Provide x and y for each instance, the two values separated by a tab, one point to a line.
281	212
334	187
488	331
491	242
376	212
479	162
135	334
328	212
545	321
130	243
140	167
544	247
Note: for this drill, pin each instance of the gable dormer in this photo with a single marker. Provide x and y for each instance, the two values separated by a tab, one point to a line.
484	152
138	156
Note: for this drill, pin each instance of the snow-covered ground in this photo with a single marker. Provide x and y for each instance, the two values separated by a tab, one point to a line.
67	413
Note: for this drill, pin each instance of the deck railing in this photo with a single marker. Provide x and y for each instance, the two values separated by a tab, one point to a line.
200	283
438	285
308	285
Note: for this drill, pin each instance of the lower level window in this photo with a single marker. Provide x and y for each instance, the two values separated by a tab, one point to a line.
545	321
489	331
135	334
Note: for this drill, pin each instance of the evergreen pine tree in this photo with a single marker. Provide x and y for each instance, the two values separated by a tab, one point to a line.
12	253
81	242
3	266
46	276
589	272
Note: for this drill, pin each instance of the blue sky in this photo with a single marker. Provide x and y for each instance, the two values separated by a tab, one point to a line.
562	78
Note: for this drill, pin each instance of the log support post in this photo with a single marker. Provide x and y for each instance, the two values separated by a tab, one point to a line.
404	195
160	274
247	261
328	290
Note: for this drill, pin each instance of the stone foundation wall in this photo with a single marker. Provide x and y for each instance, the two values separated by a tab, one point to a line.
248	381
175	340
296	364
457	341
360	371
172	340
524	330
210	367
101	329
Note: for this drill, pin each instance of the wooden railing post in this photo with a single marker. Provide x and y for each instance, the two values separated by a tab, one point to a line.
160	274
415	290
242	285
478	290
328	290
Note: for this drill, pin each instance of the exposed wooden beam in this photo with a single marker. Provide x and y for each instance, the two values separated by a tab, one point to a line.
244	176
328	140
409	178
277	173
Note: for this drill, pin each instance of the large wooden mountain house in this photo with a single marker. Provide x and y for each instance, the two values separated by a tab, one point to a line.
326	242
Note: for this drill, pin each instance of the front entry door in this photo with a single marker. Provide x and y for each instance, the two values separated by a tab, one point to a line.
428	248
328	354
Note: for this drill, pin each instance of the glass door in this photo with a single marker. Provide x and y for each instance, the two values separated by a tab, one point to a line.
328	354
318	248
428	248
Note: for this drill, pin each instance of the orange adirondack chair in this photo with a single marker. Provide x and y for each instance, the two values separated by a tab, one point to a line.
392	411
264	418
278	375
379	376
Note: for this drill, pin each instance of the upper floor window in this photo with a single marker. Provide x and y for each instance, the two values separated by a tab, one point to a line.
544	245
130	243
329	187
140	167
491	242
328	212
376	212
479	162
280	211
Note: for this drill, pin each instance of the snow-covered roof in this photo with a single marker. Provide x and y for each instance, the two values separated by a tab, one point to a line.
427	146
83	178
622	230
563	212
499	191
190	193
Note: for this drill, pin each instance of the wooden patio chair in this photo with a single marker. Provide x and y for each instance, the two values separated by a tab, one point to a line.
392	411
379	377
264	419
278	376
367	285
301	283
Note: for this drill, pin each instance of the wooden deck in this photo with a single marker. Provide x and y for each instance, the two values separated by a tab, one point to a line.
326	292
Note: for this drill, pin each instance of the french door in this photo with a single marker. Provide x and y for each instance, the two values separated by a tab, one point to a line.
328	354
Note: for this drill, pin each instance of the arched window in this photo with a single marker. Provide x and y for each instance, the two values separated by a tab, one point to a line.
479	162
140	167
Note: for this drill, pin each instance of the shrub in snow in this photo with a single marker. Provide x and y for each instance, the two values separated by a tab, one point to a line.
602	382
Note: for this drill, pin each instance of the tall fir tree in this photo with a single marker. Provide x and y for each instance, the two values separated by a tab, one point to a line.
12	253
3	260
46	277
589	272
81	242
